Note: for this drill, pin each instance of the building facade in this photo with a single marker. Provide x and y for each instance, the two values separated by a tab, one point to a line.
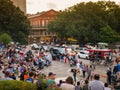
21	4
39	23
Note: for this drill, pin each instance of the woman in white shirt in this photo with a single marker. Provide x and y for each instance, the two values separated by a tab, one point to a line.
68	85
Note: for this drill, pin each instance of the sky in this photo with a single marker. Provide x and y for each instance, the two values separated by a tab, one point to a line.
34	6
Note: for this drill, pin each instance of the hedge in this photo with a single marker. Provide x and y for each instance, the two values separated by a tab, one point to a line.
16	85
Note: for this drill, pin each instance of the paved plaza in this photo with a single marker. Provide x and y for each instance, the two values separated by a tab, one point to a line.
63	70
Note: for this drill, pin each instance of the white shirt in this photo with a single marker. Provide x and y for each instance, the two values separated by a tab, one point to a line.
107	88
78	65
66	86
96	85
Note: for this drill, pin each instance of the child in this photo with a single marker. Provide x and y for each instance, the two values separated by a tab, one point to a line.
85	86
106	86
60	82
71	63
78	86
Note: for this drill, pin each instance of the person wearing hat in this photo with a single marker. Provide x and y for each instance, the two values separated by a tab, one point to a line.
51	84
96	84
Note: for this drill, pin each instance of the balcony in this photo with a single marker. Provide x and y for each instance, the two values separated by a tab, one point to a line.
39	27
42	34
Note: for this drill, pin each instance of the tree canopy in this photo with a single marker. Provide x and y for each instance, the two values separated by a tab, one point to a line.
86	21
13	21
5	38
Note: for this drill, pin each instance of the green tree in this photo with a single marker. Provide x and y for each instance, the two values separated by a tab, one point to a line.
112	14
84	21
107	34
58	26
21	38
13	20
79	22
5	38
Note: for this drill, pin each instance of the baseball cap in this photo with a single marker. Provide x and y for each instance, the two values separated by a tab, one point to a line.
51	73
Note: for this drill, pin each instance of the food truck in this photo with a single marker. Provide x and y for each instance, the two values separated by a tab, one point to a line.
102	52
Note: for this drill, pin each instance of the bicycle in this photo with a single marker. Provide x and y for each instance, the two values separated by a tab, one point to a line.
108	63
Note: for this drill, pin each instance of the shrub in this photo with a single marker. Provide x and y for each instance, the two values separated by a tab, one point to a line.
41	84
5	38
16	85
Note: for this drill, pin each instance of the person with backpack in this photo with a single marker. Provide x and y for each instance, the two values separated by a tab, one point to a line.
30	78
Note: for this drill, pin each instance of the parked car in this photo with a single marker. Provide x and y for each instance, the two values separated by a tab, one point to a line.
55	53
34	46
83	49
83	54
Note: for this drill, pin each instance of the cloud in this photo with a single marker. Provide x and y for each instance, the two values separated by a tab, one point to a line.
51	5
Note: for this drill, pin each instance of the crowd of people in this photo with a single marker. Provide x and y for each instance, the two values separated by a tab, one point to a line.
20	63
69	84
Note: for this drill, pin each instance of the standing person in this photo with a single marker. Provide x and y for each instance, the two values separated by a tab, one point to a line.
51	84
109	74
78	65
89	71
118	64
81	68
65	59
71	63
96	84
76	57
106	87
114	69
74	74
93	64
85	86
84	70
